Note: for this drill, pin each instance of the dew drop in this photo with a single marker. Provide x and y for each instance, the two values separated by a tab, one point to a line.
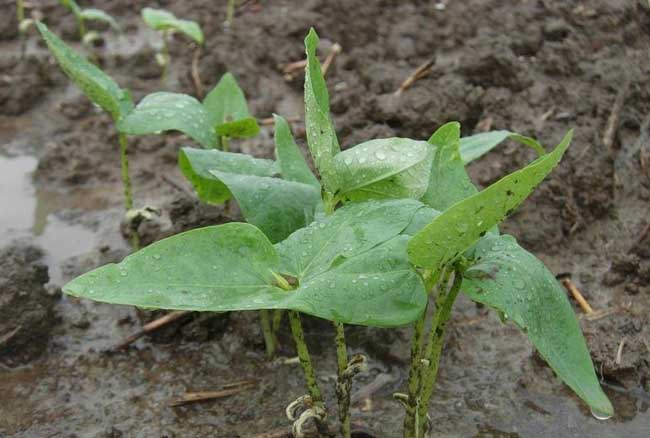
380	155
156	256
462	227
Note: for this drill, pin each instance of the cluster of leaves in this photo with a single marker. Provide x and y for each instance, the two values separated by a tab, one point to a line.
406	208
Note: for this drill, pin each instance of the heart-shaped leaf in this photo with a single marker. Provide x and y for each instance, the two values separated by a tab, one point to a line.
93	82
321	136
462	224
353	229
99	15
384	168
477	145
275	206
228	110
292	164
233	267
159	19
513	281
196	165
449	181
164	111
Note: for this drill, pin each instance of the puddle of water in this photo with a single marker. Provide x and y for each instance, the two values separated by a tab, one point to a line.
28	212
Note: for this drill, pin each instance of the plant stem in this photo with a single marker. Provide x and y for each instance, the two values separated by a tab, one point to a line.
303	355
225	144
20	11
413	401
81	25
269	339
126	185
342	386
230	12
441	316
166	58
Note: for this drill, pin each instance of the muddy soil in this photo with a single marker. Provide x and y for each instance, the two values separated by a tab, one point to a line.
535	67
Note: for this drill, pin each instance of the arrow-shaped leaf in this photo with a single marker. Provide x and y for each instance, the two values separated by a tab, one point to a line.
513	281
93	82
462	224
293	166
477	145
163	111
384	168
159	19
228	110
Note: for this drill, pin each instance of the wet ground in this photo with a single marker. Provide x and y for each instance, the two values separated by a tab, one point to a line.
535	67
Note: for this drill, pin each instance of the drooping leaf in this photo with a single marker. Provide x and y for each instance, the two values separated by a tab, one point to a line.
462	224
164	111
71	5
292	164
275	206
159	19
449	181
228	109
197	163
477	145
99	15
514	282
321	137
352	229
384	168
93	82
231	267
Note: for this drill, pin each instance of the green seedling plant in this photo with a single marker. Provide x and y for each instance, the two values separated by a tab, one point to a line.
104	93
389	235
167	24
83	15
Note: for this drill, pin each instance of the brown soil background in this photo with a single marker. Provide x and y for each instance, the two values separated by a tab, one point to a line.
535	67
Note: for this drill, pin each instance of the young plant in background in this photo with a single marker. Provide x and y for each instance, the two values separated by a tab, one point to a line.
83	15
390	224
103	92
167	24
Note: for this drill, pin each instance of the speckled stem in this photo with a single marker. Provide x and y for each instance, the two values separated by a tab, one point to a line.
126	185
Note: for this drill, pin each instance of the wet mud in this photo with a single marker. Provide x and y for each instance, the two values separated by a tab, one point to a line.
535	67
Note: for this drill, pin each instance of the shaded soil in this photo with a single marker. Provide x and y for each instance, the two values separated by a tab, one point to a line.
535	67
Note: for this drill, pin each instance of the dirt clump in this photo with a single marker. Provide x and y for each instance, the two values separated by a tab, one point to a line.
26	308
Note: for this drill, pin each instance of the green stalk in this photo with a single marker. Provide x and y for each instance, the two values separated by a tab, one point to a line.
20	11
166	58
412	402
126	185
81	25
343	383
305	358
20	16
269	338
225	144
434	348
230	12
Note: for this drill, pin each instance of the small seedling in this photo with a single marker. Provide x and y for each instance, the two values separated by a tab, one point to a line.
103	92
88	38
390	224
167	23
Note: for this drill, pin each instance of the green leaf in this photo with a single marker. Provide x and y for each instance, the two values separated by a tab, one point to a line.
228	109
99	15
449	181
232	266
93	82
292	164
72	6
197	163
224	267
384	168
477	145
351	230
462	224
239	129
321	136
164	111
514	282
159	19
275	206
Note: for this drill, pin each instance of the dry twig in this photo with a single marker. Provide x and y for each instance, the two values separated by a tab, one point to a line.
614	117
420	72
151	327
228	390
291	69
196	78
269	121
619	352
577	295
